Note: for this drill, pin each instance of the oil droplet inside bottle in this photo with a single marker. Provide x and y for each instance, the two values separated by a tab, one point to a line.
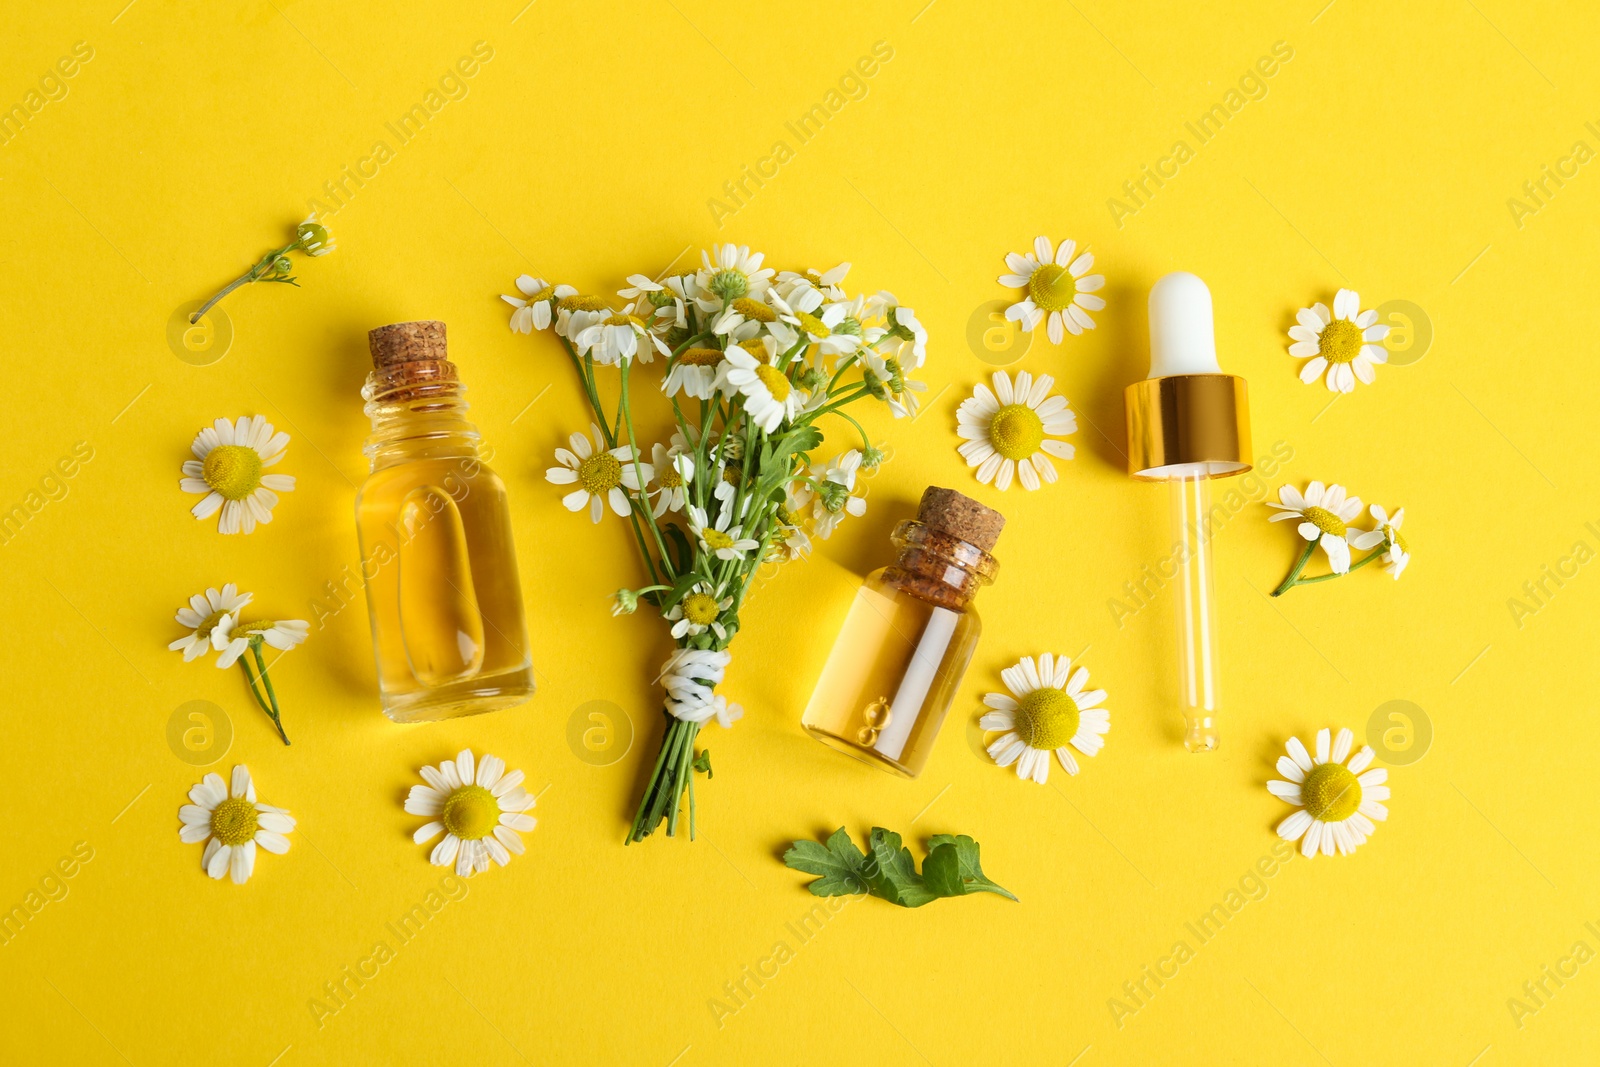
440	623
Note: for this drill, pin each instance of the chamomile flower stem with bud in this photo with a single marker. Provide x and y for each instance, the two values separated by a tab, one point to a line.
311	237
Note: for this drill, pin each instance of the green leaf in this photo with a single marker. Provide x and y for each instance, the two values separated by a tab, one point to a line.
893	874
678	545
841	864
702	763
953	860
803	439
888	870
941	872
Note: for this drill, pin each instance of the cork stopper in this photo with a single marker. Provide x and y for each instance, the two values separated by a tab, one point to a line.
407	342
960	517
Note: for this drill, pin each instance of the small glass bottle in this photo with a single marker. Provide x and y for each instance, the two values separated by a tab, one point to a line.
908	638
436	555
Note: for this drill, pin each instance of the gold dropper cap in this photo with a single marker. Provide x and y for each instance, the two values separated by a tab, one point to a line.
1187	419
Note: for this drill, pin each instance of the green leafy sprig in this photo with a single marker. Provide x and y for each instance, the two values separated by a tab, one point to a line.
887	869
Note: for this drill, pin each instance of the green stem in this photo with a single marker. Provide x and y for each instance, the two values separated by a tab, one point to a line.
626	411
266	680
1357	565
1300	565
253	274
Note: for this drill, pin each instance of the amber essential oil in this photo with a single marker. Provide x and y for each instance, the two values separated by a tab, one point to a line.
448	628
905	645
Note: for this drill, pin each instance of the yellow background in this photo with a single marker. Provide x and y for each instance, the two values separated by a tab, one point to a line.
1382	157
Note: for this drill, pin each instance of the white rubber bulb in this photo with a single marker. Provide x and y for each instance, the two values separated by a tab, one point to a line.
1181	336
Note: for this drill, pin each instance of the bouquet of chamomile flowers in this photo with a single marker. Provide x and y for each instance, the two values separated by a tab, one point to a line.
751	362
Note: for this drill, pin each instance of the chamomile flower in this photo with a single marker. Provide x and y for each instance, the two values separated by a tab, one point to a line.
744	309
1338	802
1059	286
479	809
1325	514
232	823
614	337
904	325
1397	555
1047	710
718	539
576	312
793	542
770	398
697	372
847	329
671	301
827	283
885	378
533	307
673	467
1344	342
201	616
229	468
602	476
232	639
313	237
1011	431
699	611
729	272
835	494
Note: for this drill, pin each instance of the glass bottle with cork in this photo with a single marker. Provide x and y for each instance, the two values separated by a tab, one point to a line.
908	638
445	602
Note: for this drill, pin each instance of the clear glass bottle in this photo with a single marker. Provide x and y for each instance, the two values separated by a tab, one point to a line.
448	627
908	638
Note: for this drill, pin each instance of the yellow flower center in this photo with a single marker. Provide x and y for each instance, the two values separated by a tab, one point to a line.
754	309
1330	792
1325	520
582	302
667	476
700	609
471	813
716	539
625	320
1016	431
811	324
701	357
1340	341
1399	539
233	470
1046	718
756	349
543	294
234	821
775	381
600	473
1052	288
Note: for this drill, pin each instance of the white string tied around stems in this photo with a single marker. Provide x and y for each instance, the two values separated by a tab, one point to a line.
690	676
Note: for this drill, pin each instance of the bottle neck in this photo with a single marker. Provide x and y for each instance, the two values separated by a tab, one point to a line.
938	567
417	414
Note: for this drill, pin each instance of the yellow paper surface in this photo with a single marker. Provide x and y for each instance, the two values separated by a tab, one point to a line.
591	141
